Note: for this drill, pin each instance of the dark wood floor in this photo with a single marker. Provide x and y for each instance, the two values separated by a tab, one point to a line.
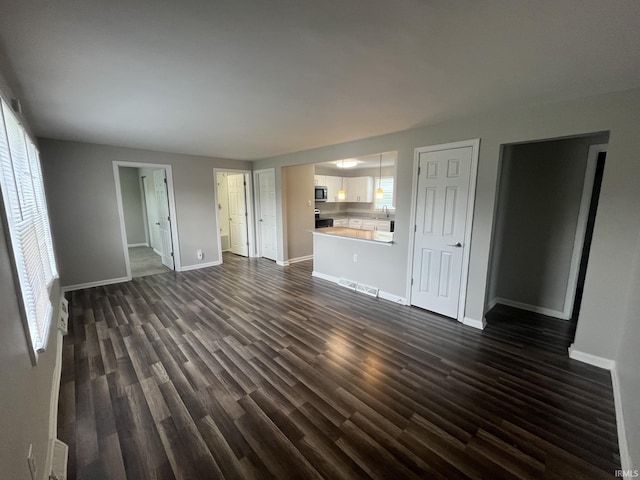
250	370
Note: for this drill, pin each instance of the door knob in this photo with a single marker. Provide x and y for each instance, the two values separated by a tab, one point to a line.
261	220
457	245
157	223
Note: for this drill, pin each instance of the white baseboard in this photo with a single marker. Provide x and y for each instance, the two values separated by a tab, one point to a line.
607	364
133	245
99	283
472	322
291	261
531	308
390	297
201	265
623	445
594	360
157	252
300	259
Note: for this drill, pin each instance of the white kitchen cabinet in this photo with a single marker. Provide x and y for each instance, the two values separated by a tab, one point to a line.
383	225
320	180
340	222
369	224
359	189
333	186
355	223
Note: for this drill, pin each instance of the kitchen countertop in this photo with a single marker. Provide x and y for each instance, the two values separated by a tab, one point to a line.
354	233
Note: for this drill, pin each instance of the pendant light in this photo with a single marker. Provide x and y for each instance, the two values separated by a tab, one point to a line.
379	191
341	193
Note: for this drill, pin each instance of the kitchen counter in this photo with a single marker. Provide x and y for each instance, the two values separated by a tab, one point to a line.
356	234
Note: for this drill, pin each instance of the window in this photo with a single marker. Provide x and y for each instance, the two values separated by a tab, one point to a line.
386	183
28	221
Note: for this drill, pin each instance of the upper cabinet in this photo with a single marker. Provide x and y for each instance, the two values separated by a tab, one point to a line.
320	181
359	189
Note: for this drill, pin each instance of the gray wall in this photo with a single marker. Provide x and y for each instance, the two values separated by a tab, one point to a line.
617	223
540	194
82	199
628	360
134	221
25	390
299	203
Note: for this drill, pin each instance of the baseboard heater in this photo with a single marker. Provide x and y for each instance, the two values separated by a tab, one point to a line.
359	287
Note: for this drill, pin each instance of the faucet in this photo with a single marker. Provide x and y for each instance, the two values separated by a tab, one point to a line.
385	210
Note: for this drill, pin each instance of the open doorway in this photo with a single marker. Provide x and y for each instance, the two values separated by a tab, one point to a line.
145	202
234	213
547	200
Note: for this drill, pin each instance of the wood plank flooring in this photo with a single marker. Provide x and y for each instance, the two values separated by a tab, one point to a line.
250	370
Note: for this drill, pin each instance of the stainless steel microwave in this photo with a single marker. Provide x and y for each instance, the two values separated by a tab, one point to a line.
321	194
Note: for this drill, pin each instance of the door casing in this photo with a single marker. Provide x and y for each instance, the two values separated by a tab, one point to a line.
172	209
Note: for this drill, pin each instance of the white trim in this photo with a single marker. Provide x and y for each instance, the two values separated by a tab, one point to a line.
472	322
201	265
252	252
134	245
99	283
531	308
299	259
591	359
581	226
55	394
607	364
390	297
284	263
473	176
172	208
324	276
492	303
623	443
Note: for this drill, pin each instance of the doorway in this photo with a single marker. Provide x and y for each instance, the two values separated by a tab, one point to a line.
442	213
545	213
266	212
146	208
234	214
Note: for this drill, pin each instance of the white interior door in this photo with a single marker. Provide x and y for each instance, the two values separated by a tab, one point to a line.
268	235
164	221
238	215
441	216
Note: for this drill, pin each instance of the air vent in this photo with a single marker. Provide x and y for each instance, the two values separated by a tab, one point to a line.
63	321
350	284
367	290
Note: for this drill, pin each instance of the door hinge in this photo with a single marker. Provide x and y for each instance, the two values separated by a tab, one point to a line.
168	219
165	180
415	228
412	281
418	171
172	254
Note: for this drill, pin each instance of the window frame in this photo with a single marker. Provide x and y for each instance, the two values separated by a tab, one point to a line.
27	230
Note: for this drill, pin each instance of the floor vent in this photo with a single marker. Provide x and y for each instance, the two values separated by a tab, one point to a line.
59	462
367	290
350	284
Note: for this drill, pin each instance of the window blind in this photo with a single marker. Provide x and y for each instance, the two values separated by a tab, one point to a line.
28	220
386	183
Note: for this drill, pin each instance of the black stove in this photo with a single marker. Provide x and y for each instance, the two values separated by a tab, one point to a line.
322	222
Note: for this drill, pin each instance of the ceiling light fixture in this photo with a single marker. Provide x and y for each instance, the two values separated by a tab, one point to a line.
341	193
349	163
379	191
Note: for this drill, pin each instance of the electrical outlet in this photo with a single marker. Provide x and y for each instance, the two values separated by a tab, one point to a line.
355	258
31	461
199	254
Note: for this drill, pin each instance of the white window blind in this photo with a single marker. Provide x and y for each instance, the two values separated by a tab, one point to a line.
386	183
26	210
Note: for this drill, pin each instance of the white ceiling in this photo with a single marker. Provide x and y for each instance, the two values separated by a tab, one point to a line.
249	79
